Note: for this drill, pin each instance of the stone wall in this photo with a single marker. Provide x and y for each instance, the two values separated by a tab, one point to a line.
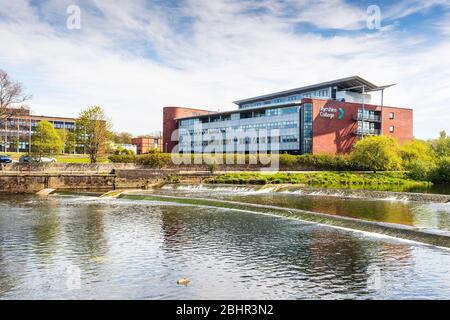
31	183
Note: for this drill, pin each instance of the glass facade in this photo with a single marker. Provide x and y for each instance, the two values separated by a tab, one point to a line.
15	132
369	122
306	128
242	131
287	99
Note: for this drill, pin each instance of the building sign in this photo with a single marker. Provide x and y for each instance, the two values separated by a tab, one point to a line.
331	113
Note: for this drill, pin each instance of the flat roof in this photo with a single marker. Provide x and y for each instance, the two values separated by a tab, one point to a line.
291	104
353	83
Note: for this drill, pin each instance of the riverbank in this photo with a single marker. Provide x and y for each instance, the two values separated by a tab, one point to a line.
382	181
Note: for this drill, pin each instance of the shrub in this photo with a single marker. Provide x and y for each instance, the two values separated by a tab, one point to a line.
154	160
122	158
441	173
377	153
415	153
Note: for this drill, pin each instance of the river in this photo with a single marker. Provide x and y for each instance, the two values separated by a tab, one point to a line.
72	246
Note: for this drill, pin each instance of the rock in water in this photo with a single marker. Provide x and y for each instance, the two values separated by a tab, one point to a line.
45	192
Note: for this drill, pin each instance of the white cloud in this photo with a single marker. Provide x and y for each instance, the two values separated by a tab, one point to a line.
223	54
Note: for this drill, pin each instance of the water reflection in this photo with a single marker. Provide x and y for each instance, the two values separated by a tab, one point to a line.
435	217
138	249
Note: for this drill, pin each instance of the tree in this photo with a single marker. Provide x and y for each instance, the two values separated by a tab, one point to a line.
416	151
46	140
68	139
377	153
441	145
121	137
93	131
12	95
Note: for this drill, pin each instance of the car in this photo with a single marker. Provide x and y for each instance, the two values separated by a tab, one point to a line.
5	159
47	160
32	159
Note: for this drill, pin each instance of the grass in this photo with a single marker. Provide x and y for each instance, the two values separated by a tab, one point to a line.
321	179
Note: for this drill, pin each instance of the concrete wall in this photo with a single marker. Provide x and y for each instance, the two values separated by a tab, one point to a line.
31	183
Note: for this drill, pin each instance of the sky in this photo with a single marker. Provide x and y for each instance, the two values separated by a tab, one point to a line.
135	57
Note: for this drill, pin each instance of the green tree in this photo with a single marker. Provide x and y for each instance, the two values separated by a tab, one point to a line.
377	153
93	131
68	138
441	145
418	158
46	140
441	173
121	137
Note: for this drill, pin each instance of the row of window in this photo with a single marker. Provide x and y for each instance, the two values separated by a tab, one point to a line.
373	115
12	124
238	116
322	93
246	140
256	126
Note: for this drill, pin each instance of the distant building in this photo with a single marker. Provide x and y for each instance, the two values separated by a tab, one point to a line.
327	117
146	144
17	129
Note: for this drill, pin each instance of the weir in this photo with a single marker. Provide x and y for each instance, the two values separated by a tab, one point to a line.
387	229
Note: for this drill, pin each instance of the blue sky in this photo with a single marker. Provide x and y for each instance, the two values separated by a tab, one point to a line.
134	57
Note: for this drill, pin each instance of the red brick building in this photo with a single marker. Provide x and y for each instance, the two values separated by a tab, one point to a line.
146	144
327	117
170	123
331	134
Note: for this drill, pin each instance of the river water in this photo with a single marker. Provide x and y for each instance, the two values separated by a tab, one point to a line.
73	246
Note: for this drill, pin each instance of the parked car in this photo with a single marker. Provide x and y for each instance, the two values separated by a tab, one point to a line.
5	159
31	159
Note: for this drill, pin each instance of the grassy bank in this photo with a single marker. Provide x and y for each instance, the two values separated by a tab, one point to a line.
322	179
67	158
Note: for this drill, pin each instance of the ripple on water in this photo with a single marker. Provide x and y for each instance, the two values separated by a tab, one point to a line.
139	249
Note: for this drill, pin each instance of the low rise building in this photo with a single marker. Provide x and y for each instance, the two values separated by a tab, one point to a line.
328	117
146	144
17	128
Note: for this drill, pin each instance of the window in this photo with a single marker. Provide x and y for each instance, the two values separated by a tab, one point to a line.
391	115
391	129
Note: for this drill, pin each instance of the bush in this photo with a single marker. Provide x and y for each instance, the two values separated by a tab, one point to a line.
154	160
415	153
441	173
377	153
122	158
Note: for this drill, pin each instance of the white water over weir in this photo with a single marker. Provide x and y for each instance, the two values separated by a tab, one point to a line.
388	229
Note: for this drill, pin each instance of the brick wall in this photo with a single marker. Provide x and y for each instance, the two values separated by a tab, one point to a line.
334	135
170	124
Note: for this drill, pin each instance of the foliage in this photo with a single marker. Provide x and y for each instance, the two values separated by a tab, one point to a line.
93	131
121	137
122	158
154	160
416	151
377	153
441	173
68	139
123	151
12	95
46	140
328	179
441	145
